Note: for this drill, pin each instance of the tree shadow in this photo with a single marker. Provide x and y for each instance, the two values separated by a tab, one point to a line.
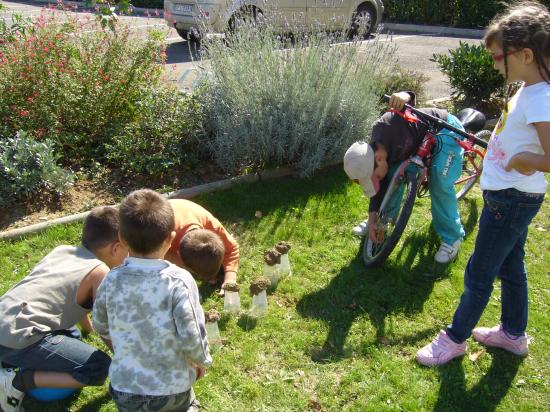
400	287
487	394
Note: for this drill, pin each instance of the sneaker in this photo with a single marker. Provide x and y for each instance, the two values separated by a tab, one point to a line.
440	351
362	229
10	398
498	338
447	252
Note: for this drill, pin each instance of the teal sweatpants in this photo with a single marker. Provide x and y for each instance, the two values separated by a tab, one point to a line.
445	170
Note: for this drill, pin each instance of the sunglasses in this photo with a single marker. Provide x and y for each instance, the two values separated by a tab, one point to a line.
500	57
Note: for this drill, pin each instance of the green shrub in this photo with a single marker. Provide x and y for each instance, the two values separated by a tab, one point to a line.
73	82
471	73
458	13
161	140
405	79
148	4
28	167
268	106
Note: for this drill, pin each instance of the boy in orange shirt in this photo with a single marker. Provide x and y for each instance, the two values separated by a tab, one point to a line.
202	245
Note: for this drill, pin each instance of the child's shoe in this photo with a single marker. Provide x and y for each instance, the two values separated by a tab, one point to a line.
447	252
498	338
10	398
362	229
440	351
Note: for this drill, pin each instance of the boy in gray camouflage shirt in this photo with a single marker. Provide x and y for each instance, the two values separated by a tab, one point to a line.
149	309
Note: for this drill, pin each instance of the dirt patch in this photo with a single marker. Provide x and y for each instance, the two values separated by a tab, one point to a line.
103	189
81	197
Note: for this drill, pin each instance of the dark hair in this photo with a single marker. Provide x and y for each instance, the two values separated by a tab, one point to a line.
523	25
202	251
146	220
100	227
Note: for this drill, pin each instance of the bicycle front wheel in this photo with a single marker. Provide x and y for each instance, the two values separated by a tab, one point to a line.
392	219
472	165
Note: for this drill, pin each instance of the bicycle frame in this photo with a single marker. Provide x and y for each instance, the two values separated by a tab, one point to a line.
418	160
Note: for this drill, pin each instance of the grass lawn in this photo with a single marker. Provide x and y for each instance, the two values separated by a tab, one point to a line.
338	337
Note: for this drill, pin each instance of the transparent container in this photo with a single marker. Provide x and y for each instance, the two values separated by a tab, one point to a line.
232	302
259	304
273	273
284	267
213	335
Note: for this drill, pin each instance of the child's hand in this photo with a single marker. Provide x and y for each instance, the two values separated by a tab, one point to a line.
375	234
520	162
398	100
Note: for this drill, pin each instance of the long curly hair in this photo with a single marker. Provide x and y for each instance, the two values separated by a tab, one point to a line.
524	24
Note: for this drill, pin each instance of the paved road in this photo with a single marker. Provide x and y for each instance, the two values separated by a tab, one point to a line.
413	50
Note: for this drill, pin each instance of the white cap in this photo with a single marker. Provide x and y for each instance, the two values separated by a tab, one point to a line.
359	165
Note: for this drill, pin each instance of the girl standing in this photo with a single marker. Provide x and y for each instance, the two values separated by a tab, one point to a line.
513	185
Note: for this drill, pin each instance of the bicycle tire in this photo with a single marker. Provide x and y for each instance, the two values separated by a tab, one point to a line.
386	247
469	173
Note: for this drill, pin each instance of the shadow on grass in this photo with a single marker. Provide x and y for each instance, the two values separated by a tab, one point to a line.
96	403
400	287
247	322
486	395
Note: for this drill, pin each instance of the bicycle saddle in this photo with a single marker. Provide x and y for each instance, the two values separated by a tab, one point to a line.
471	119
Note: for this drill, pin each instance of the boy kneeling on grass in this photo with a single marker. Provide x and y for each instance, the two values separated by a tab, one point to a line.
39	313
149	309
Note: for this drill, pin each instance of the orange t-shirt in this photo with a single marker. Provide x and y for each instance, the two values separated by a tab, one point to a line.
188	216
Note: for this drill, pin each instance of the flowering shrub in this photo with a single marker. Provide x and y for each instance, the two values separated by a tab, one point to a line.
28	167
73	81
303	105
161	141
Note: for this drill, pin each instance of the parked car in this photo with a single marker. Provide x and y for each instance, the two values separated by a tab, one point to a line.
188	16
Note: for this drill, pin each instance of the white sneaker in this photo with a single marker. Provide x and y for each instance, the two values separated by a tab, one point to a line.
362	229
10	398
447	252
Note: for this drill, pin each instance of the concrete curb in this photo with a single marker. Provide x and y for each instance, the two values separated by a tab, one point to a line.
186	193
435	30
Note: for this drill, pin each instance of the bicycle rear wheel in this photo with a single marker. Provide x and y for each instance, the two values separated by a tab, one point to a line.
472	165
393	218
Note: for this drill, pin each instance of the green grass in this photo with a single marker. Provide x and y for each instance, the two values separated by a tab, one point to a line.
338	336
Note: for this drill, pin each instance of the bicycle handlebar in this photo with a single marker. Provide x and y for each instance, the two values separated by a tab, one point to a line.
443	124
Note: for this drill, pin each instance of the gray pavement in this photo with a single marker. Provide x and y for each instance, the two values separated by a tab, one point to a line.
415	44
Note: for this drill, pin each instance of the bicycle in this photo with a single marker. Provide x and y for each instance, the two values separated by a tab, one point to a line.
411	178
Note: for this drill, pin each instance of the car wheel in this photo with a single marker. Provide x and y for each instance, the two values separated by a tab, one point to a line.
246	16
362	21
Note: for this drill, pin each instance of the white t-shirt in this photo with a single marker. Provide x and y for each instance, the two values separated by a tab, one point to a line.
516	133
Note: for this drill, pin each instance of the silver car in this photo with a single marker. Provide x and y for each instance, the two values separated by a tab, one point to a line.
188	16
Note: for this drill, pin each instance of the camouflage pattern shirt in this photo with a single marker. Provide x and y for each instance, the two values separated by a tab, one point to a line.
150	310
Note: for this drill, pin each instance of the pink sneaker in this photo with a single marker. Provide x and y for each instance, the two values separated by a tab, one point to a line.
440	351
498	338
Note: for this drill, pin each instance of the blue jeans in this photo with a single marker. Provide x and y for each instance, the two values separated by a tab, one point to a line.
499	252
129	402
61	351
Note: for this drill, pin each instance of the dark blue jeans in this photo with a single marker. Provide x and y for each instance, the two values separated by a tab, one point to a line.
61	351
499	252
179	402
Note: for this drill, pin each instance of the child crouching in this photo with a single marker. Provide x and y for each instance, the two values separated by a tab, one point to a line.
149	309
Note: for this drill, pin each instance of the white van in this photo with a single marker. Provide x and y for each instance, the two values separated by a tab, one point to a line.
186	15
